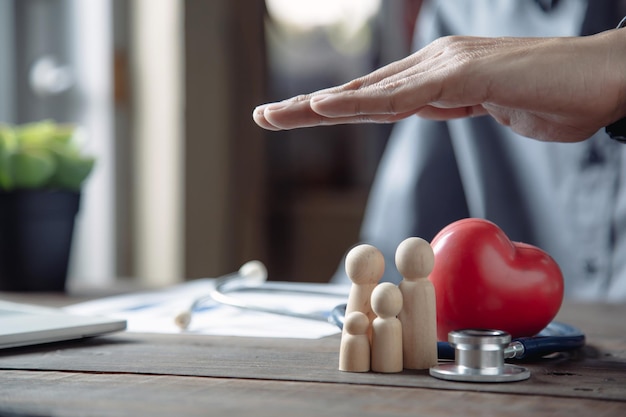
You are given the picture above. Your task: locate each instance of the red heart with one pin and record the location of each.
(483, 280)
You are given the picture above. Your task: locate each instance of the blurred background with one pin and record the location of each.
(186, 185)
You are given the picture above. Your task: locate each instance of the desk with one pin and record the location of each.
(130, 374)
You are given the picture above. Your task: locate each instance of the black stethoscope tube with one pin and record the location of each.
(556, 337)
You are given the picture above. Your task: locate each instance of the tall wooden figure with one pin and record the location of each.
(365, 266)
(354, 353)
(415, 260)
(386, 329)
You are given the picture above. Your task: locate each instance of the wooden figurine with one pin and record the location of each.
(365, 266)
(354, 353)
(386, 329)
(415, 260)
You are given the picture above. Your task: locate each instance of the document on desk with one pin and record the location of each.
(155, 311)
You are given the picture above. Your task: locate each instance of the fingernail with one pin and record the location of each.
(259, 118)
(274, 107)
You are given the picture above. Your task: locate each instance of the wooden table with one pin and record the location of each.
(131, 374)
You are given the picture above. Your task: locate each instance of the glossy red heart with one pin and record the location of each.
(483, 280)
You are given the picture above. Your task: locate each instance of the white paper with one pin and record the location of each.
(155, 311)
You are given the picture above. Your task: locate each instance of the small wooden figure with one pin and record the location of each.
(415, 260)
(365, 266)
(386, 329)
(354, 353)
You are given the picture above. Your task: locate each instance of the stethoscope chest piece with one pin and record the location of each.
(479, 357)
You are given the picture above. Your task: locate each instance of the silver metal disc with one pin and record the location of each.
(454, 372)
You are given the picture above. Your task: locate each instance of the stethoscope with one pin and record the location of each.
(252, 276)
(478, 354)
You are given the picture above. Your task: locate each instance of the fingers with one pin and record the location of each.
(300, 112)
(258, 115)
(414, 85)
(383, 98)
(394, 92)
(291, 113)
(282, 117)
(401, 87)
(380, 102)
(372, 104)
(286, 115)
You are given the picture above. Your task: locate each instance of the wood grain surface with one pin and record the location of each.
(86, 394)
(149, 374)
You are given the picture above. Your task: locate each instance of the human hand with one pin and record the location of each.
(552, 89)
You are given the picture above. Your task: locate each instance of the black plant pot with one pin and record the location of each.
(36, 229)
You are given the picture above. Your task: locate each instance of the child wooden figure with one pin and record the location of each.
(386, 329)
(354, 353)
(415, 260)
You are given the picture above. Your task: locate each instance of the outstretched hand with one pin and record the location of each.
(553, 89)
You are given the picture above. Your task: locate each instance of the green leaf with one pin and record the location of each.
(42, 155)
(32, 168)
(63, 135)
(71, 171)
(37, 134)
(8, 144)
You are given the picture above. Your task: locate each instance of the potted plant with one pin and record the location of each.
(42, 170)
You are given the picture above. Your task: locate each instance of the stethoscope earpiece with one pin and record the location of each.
(253, 272)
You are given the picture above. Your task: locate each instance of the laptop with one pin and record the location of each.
(25, 324)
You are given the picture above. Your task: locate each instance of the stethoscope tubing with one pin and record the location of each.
(556, 337)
